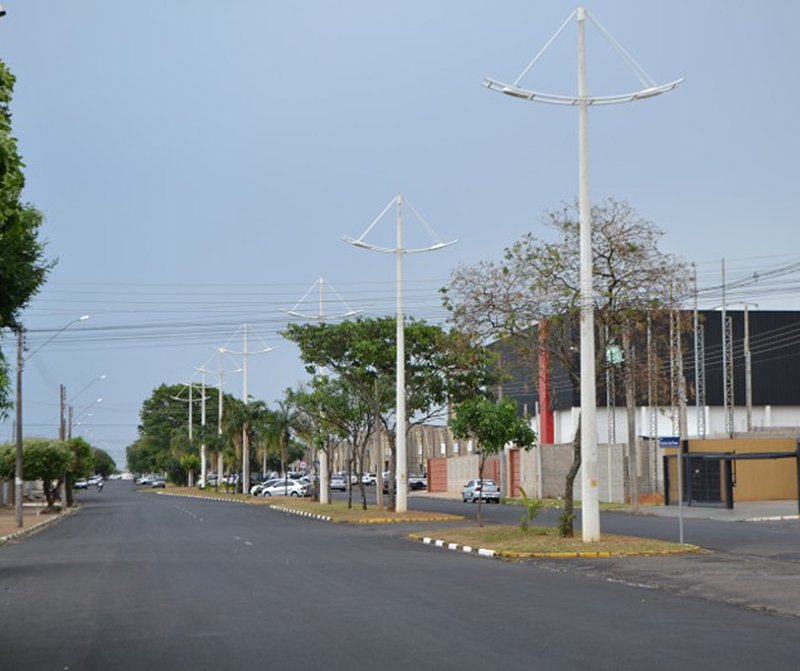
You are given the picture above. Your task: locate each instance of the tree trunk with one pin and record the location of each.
(481, 462)
(567, 523)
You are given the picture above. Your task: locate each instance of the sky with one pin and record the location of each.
(199, 162)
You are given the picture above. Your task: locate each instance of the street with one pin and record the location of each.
(140, 581)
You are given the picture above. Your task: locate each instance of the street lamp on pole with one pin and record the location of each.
(590, 506)
(322, 455)
(21, 359)
(399, 251)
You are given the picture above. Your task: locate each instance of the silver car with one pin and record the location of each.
(487, 490)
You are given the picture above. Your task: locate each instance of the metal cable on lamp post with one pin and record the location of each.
(590, 506)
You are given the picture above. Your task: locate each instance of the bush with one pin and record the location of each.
(532, 509)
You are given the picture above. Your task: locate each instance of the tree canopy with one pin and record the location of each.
(23, 268)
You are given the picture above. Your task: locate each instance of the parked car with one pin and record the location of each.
(481, 489)
(158, 483)
(417, 482)
(81, 484)
(285, 487)
(369, 478)
(338, 483)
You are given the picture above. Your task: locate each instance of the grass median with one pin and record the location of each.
(337, 511)
(512, 541)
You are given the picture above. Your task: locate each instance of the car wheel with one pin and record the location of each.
(294, 494)
(267, 494)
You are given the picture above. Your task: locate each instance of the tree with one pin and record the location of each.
(23, 269)
(103, 463)
(441, 367)
(45, 460)
(334, 408)
(493, 425)
(536, 290)
(164, 430)
(81, 465)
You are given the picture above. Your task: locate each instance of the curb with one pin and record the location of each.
(508, 554)
(202, 498)
(37, 527)
(480, 552)
(775, 518)
(292, 511)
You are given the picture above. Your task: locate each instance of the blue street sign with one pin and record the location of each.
(669, 441)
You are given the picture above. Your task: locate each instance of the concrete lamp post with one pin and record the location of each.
(21, 359)
(590, 507)
(399, 251)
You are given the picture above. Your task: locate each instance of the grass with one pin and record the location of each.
(545, 541)
(558, 504)
(337, 511)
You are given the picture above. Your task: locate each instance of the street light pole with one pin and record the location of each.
(590, 512)
(18, 480)
(590, 504)
(399, 251)
(322, 454)
(18, 475)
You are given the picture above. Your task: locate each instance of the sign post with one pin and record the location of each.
(675, 441)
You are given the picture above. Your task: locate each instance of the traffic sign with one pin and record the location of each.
(669, 441)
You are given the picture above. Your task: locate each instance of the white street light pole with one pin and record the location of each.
(590, 509)
(399, 251)
(322, 455)
(245, 438)
(590, 500)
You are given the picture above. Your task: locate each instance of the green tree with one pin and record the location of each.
(103, 462)
(537, 285)
(81, 464)
(45, 460)
(332, 406)
(23, 268)
(492, 425)
(441, 367)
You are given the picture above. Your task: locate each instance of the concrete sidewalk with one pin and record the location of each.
(749, 511)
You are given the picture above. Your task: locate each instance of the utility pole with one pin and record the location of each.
(245, 436)
(748, 370)
(18, 481)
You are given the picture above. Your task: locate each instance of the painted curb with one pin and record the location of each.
(436, 542)
(775, 518)
(202, 498)
(301, 513)
(506, 554)
(37, 527)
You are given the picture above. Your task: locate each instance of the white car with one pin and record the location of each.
(369, 478)
(284, 487)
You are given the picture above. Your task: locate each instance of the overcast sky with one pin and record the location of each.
(198, 163)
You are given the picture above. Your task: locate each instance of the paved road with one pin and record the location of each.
(140, 581)
(753, 565)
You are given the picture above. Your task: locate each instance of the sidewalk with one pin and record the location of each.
(32, 515)
(747, 511)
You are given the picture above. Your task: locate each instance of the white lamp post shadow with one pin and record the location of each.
(399, 251)
(590, 505)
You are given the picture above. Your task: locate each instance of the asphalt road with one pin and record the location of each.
(141, 581)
